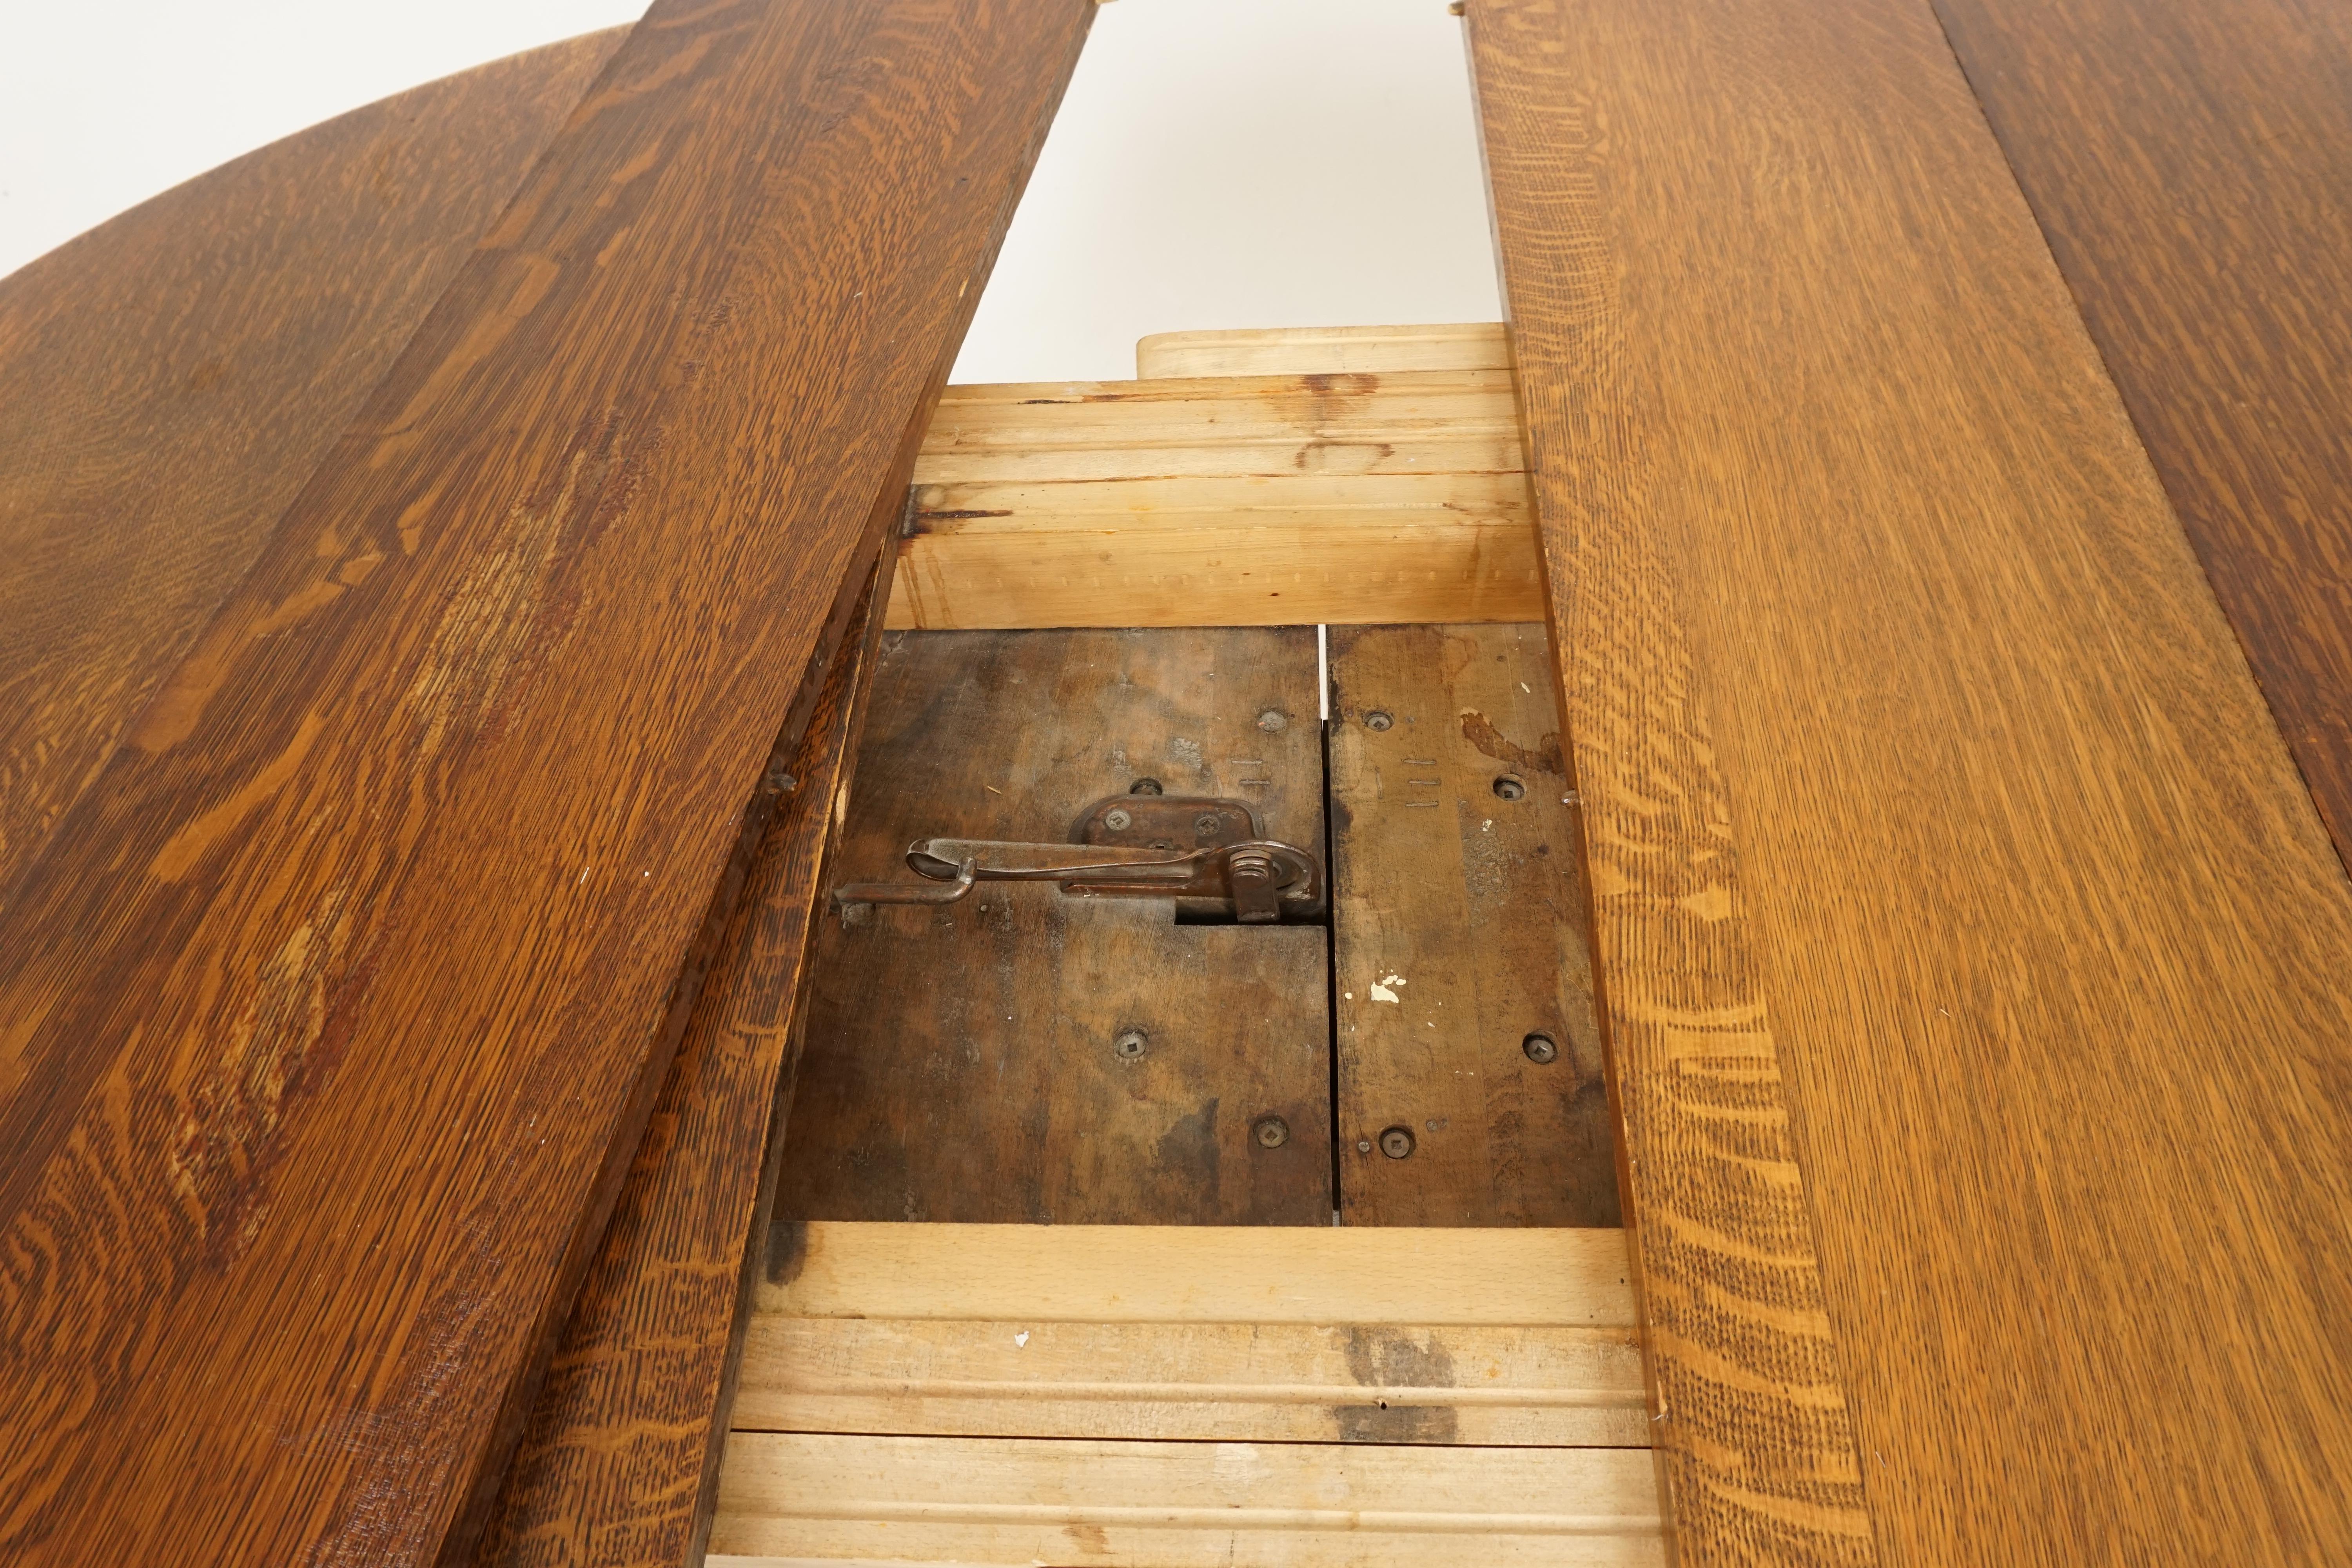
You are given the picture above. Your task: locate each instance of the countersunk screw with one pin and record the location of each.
(1116, 819)
(1510, 788)
(1541, 1049)
(1271, 1132)
(1396, 1143)
(1130, 1045)
(1379, 718)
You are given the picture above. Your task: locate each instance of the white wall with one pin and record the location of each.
(1217, 162)
(1243, 163)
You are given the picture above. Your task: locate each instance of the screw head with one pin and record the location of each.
(1396, 1143)
(1363, 1145)
(1207, 822)
(1144, 786)
(1379, 718)
(1541, 1049)
(1130, 1045)
(1271, 1132)
(1117, 819)
(1510, 788)
(1273, 720)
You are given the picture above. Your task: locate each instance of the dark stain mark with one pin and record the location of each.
(1343, 383)
(1384, 1358)
(787, 1250)
(1480, 733)
(1091, 1538)
(1187, 1152)
(920, 518)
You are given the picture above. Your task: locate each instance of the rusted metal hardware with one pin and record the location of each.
(1200, 851)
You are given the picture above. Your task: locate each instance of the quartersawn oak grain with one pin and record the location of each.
(619, 1460)
(169, 380)
(1928, 793)
(329, 1014)
(2188, 165)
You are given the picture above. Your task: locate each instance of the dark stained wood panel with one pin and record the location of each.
(170, 379)
(2193, 172)
(2191, 167)
(331, 1012)
(962, 1063)
(620, 1460)
(1460, 930)
(1973, 961)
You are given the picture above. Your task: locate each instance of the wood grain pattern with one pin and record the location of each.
(959, 1062)
(1973, 960)
(866, 1336)
(1459, 925)
(329, 1014)
(168, 381)
(1235, 500)
(1310, 351)
(1256, 1383)
(2188, 165)
(967, 1500)
(620, 1461)
(1198, 1274)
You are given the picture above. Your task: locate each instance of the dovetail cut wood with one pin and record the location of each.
(2190, 166)
(1956, 901)
(329, 1014)
(1242, 501)
(170, 379)
(619, 1463)
(1182, 1505)
(1308, 351)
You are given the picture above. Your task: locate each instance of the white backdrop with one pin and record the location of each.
(1217, 162)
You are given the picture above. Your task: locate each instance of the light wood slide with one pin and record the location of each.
(1165, 1396)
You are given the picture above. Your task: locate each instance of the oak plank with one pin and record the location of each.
(1303, 351)
(1460, 930)
(1957, 902)
(1176, 1505)
(2188, 167)
(1235, 500)
(170, 379)
(329, 1014)
(960, 1062)
(1199, 1274)
(619, 1461)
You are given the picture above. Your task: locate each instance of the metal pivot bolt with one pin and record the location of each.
(1130, 1045)
(1541, 1049)
(1271, 1132)
(1396, 1143)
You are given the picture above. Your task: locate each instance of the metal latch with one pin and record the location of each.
(1126, 847)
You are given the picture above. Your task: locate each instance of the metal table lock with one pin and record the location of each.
(1208, 853)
